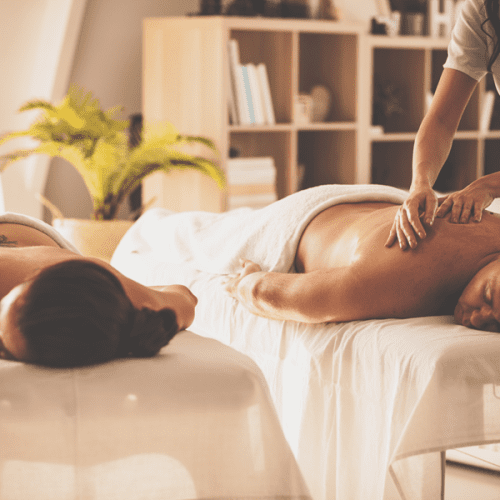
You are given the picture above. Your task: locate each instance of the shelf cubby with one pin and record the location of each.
(327, 60)
(186, 81)
(398, 68)
(491, 156)
(329, 157)
(459, 169)
(276, 144)
(274, 49)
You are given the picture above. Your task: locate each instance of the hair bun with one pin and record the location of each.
(149, 332)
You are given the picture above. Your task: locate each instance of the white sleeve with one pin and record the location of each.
(470, 47)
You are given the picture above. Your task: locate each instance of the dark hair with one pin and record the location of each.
(491, 7)
(76, 313)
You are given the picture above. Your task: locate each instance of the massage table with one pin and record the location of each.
(368, 407)
(194, 422)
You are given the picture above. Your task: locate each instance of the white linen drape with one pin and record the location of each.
(194, 422)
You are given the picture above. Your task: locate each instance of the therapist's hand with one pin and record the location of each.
(407, 228)
(468, 204)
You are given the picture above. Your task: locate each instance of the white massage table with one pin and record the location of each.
(368, 407)
(194, 422)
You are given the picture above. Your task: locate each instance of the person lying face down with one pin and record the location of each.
(61, 309)
(346, 272)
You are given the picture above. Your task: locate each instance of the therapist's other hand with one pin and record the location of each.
(421, 205)
(468, 204)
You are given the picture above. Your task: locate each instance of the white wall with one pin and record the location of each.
(37, 42)
(107, 61)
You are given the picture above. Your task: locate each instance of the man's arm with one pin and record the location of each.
(391, 284)
(332, 295)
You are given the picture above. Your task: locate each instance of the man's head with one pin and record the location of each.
(479, 304)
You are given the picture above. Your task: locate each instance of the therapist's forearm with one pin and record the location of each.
(435, 135)
(432, 147)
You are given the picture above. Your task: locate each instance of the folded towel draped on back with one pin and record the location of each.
(214, 243)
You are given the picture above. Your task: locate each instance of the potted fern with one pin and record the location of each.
(97, 145)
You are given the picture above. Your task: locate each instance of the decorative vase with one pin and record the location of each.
(93, 238)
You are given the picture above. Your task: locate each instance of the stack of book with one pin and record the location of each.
(250, 99)
(251, 182)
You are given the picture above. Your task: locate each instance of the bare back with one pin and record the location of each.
(397, 283)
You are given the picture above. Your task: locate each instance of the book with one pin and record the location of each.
(248, 93)
(258, 176)
(265, 89)
(251, 182)
(233, 111)
(252, 200)
(258, 105)
(249, 163)
(258, 170)
(487, 111)
(242, 111)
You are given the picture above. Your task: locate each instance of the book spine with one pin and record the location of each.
(240, 98)
(266, 94)
(248, 92)
(258, 106)
(233, 108)
(250, 163)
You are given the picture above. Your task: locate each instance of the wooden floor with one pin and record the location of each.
(470, 483)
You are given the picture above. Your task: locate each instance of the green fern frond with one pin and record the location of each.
(12, 135)
(37, 104)
(189, 139)
(95, 143)
(19, 154)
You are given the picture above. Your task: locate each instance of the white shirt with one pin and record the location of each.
(470, 47)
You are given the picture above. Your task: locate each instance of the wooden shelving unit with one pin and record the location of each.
(186, 81)
(415, 64)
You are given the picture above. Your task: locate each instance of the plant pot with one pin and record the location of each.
(93, 238)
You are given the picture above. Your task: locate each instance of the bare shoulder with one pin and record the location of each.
(18, 235)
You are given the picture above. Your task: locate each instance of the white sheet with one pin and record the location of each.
(194, 422)
(364, 405)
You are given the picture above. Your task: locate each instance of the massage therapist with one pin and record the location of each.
(473, 51)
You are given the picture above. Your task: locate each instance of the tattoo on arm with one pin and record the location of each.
(5, 242)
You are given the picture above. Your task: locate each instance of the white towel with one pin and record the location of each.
(214, 243)
(39, 225)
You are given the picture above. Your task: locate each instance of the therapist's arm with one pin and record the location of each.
(432, 147)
